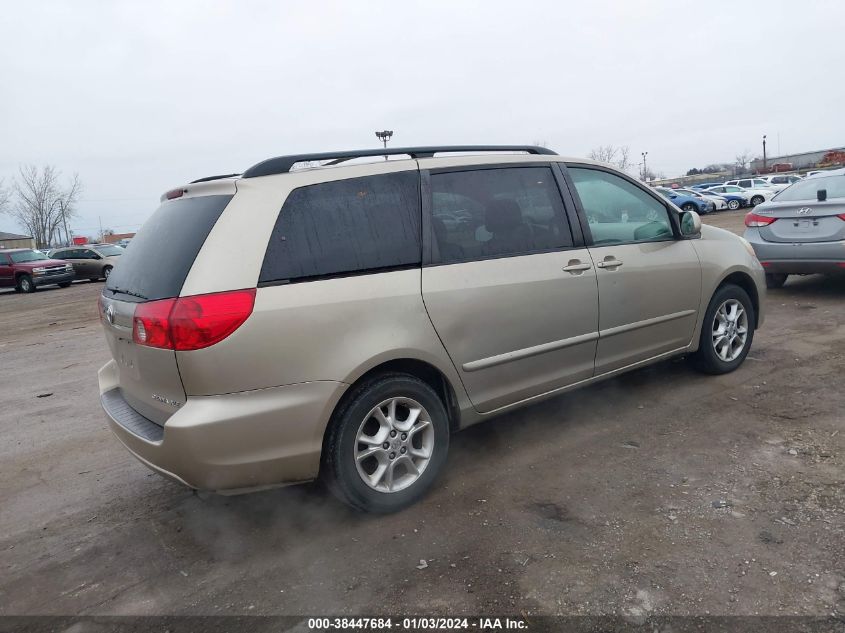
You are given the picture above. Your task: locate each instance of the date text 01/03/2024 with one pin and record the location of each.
(416, 623)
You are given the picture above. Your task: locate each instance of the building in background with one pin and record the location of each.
(11, 240)
(821, 159)
(114, 238)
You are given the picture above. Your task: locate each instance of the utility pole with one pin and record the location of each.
(765, 168)
(384, 136)
(100, 218)
(645, 168)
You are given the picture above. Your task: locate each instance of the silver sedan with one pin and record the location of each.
(802, 230)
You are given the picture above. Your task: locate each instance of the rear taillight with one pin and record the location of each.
(151, 324)
(841, 216)
(753, 219)
(190, 323)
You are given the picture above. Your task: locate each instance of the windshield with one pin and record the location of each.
(109, 250)
(20, 257)
(808, 189)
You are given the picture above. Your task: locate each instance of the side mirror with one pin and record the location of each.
(821, 195)
(690, 223)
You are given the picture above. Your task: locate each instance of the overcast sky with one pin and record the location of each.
(138, 97)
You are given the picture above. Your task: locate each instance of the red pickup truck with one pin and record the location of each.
(26, 269)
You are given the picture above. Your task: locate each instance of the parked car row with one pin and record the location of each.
(25, 269)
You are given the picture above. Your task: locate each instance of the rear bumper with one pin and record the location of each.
(797, 257)
(46, 280)
(229, 443)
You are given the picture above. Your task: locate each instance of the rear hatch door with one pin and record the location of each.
(154, 269)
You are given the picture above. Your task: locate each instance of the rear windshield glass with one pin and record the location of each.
(808, 189)
(110, 251)
(164, 250)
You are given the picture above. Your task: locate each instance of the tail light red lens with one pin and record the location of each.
(151, 326)
(841, 216)
(203, 320)
(752, 219)
(191, 323)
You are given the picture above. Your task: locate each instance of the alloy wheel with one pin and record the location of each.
(730, 330)
(394, 444)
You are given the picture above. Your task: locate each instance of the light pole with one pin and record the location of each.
(384, 136)
(765, 169)
(645, 168)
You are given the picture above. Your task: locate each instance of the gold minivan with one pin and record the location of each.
(318, 315)
(91, 261)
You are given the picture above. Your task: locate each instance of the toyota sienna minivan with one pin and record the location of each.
(319, 316)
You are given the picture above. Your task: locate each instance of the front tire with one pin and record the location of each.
(26, 284)
(106, 272)
(757, 200)
(727, 331)
(386, 443)
(733, 205)
(775, 280)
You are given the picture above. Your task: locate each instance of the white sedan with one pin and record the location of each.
(720, 202)
(758, 189)
(754, 195)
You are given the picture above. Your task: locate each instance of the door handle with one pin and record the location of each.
(610, 263)
(576, 267)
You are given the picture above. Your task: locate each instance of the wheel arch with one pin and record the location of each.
(424, 370)
(744, 281)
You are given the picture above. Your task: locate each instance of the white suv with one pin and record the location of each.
(779, 182)
(757, 188)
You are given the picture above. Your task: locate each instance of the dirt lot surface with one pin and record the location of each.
(661, 492)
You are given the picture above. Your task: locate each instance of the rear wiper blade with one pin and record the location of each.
(127, 292)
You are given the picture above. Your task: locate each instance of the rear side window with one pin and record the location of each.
(359, 225)
(485, 213)
(165, 248)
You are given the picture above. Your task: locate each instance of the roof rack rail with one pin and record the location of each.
(209, 178)
(283, 164)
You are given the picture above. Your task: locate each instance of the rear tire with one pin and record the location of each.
(718, 348)
(775, 280)
(344, 464)
(26, 284)
(733, 205)
(689, 206)
(106, 272)
(757, 200)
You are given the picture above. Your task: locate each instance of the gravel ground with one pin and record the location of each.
(660, 492)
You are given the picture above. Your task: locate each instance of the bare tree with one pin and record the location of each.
(742, 159)
(5, 196)
(39, 200)
(617, 156)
